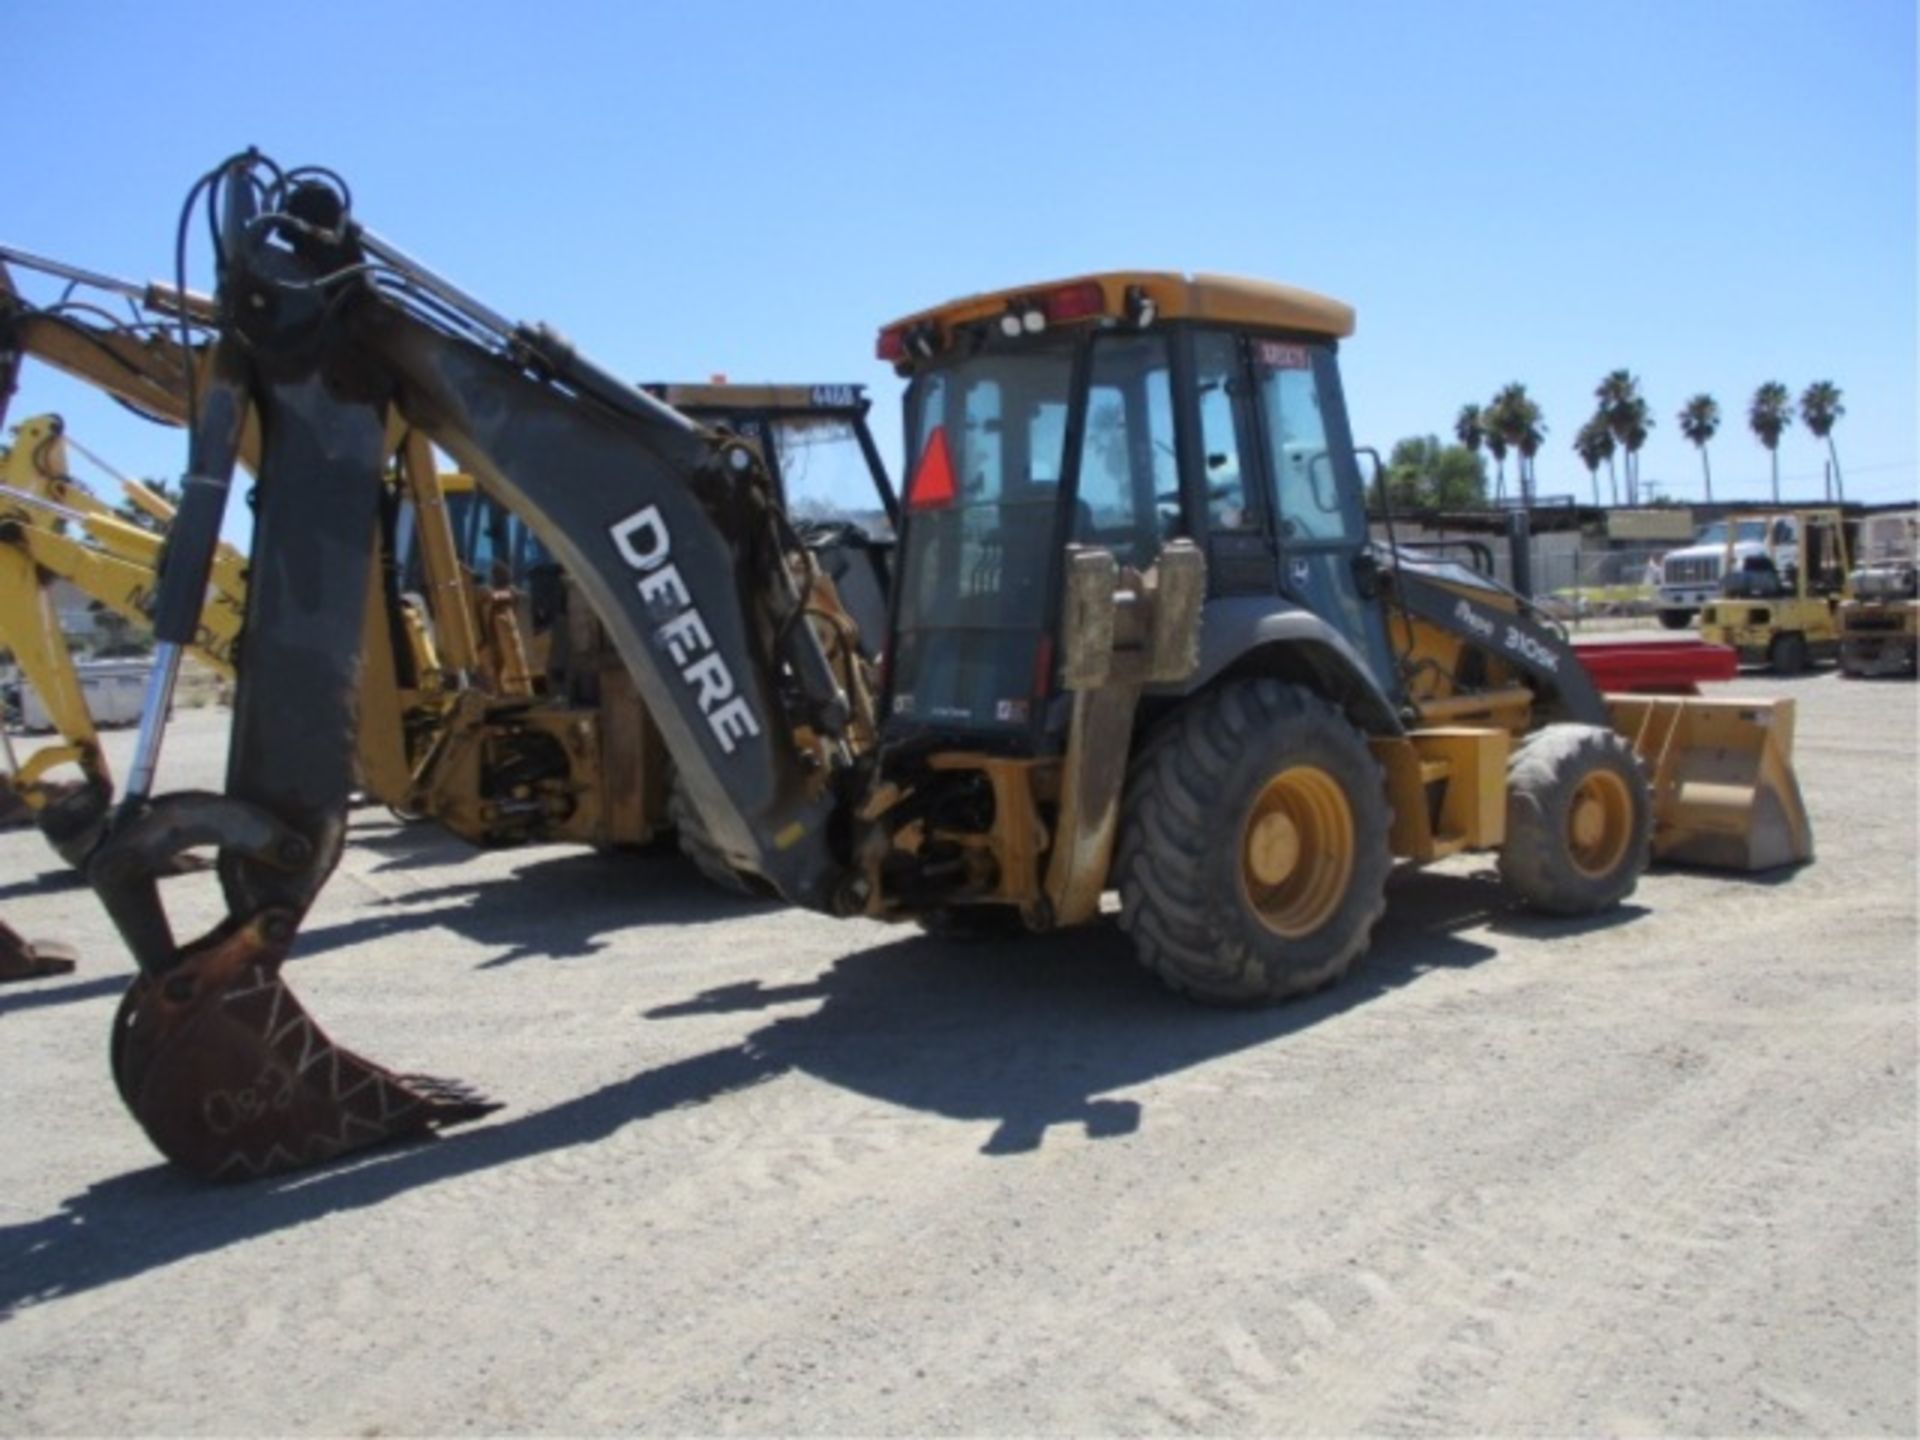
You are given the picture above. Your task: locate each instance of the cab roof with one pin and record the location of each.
(1225, 299)
(723, 395)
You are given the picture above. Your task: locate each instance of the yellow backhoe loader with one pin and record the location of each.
(1138, 641)
(559, 747)
(51, 529)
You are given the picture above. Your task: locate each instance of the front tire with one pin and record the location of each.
(1253, 857)
(1579, 820)
(1788, 653)
(1676, 619)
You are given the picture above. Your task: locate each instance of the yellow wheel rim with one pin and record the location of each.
(1297, 851)
(1599, 823)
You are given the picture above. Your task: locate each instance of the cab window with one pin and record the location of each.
(1308, 494)
(1216, 359)
(1129, 492)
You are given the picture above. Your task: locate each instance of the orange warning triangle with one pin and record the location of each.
(932, 483)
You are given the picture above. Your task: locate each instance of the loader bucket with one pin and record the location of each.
(232, 1079)
(1724, 792)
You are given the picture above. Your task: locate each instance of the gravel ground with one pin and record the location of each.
(762, 1172)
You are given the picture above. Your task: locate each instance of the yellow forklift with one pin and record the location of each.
(1880, 624)
(1781, 608)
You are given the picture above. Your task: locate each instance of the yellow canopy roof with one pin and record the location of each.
(1227, 299)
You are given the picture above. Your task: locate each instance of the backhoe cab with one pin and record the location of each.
(1337, 706)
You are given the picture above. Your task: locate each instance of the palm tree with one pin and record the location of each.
(1626, 415)
(1496, 444)
(1593, 443)
(1469, 429)
(1512, 421)
(1699, 418)
(1529, 435)
(1820, 407)
(1634, 428)
(1770, 414)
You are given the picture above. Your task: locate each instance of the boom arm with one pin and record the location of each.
(673, 532)
(679, 546)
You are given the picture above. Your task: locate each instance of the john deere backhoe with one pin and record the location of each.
(1138, 641)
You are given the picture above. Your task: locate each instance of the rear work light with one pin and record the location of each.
(1075, 302)
(907, 342)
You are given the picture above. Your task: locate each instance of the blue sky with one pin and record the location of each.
(1711, 194)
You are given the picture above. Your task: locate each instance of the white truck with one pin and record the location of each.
(114, 690)
(1689, 577)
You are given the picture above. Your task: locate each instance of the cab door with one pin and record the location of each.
(1311, 486)
(1226, 501)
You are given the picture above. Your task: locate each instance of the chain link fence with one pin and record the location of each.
(1580, 580)
(1578, 577)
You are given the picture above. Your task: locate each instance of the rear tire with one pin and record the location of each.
(1579, 820)
(1253, 857)
(1788, 653)
(1676, 619)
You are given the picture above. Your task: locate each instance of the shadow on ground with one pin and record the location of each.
(38, 994)
(554, 909)
(47, 882)
(1025, 1035)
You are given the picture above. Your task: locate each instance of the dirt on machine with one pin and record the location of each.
(1137, 640)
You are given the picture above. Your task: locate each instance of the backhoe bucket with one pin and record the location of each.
(24, 959)
(232, 1079)
(1724, 792)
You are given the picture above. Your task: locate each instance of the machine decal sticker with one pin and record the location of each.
(1277, 355)
(1473, 619)
(1512, 638)
(643, 542)
(1518, 642)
